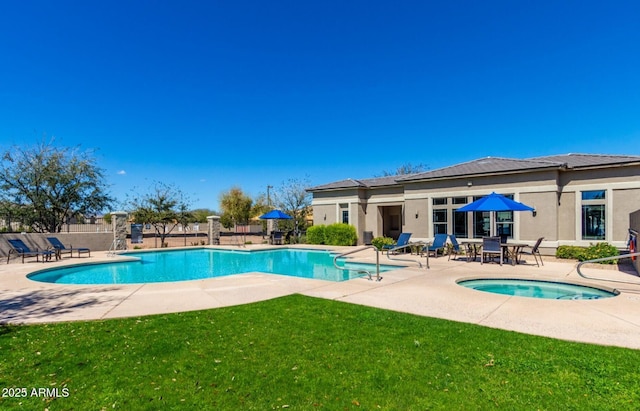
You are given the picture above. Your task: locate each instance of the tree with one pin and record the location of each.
(260, 206)
(236, 207)
(404, 169)
(164, 207)
(292, 197)
(200, 215)
(42, 186)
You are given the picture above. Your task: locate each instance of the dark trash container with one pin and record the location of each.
(367, 237)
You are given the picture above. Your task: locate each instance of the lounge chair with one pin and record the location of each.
(403, 241)
(491, 247)
(439, 243)
(454, 248)
(21, 249)
(61, 249)
(535, 251)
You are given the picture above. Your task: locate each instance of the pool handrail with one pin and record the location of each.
(360, 270)
(418, 243)
(597, 260)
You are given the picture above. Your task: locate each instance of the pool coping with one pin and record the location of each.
(432, 292)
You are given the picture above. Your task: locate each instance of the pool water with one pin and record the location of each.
(197, 264)
(538, 289)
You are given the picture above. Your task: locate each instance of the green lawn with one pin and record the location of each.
(299, 352)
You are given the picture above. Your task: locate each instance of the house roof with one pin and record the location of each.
(488, 165)
(353, 183)
(589, 160)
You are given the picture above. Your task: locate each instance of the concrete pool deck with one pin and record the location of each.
(429, 292)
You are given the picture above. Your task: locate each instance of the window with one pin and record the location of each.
(481, 224)
(460, 224)
(344, 213)
(440, 221)
(504, 223)
(440, 201)
(593, 215)
(459, 200)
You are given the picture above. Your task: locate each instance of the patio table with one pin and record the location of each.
(512, 250)
(472, 248)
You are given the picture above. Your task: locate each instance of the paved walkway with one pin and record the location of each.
(428, 292)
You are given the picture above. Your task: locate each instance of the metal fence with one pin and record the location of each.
(93, 225)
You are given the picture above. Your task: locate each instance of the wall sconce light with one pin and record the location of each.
(534, 212)
(469, 183)
(325, 217)
(416, 214)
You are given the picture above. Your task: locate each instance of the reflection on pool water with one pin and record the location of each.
(195, 264)
(538, 289)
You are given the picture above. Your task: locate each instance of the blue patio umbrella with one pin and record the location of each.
(275, 215)
(495, 202)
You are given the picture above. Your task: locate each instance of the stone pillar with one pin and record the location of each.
(119, 222)
(214, 229)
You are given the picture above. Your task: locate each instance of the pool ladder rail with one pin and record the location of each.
(633, 254)
(367, 272)
(403, 247)
(597, 260)
(116, 245)
(360, 270)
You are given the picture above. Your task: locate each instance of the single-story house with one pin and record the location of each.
(578, 199)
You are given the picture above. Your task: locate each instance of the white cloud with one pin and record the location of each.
(122, 172)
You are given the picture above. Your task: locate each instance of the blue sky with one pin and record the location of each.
(208, 95)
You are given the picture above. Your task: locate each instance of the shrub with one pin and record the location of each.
(378, 242)
(340, 234)
(594, 251)
(316, 234)
(570, 252)
(600, 250)
(302, 239)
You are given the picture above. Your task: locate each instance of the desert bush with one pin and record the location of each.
(594, 251)
(316, 234)
(570, 252)
(379, 242)
(600, 250)
(340, 234)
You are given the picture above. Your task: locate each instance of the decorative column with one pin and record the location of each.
(214, 229)
(119, 222)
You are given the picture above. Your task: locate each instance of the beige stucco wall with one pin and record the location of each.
(556, 196)
(567, 217)
(93, 241)
(625, 202)
(544, 223)
(622, 185)
(634, 223)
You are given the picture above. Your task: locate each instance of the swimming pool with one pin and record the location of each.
(197, 264)
(538, 289)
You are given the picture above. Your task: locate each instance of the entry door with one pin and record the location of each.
(392, 221)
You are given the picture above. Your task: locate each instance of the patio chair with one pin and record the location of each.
(276, 237)
(61, 249)
(439, 243)
(454, 247)
(403, 241)
(19, 248)
(491, 247)
(535, 251)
